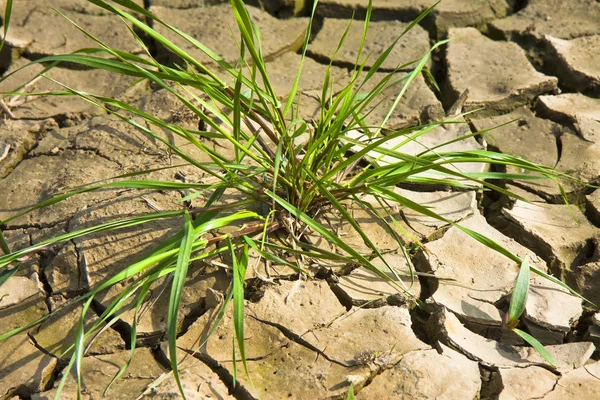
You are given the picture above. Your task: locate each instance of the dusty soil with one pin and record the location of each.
(533, 61)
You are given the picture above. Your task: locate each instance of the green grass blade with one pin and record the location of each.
(112, 225)
(4, 245)
(61, 385)
(239, 267)
(536, 345)
(133, 335)
(7, 15)
(294, 90)
(412, 76)
(518, 300)
(179, 277)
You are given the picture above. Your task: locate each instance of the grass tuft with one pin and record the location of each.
(341, 159)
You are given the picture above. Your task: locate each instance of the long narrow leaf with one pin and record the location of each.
(518, 300)
(536, 345)
(179, 276)
(239, 267)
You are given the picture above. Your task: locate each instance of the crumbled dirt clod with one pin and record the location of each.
(579, 111)
(451, 332)
(550, 17)
(511, 81)
(577, 62)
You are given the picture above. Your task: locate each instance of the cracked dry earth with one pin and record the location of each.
(532, 61)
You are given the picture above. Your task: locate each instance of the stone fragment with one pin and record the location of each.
(462, 13)
(65, 273)
(13, 49)
(4, 149)
(20, 239)
(560, 234)
(526, 383)
(575, 109)
(582, 383)
(197, 379)
(24, 369)
(580, 158)
(345, 338)
(510, 82)
(426, 374)
(525, 194)
(98, 371)
(381, 35)
(593, 332)
(495, 354)
(49, 33)
(216, 28)
(365, 288)
(261, 339)
(481, 275)
(576, 61)
(586, 280)
(550, 17)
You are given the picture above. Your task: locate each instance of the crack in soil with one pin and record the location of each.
(294, 337)
(121, 327)
(237, 390)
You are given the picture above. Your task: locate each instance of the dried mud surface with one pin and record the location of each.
(532, 62)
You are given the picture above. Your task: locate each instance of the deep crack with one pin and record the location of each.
(238, 391)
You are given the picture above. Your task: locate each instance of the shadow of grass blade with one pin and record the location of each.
(133, 335)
